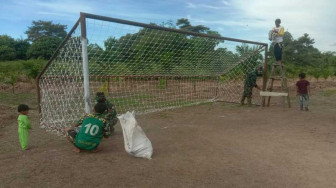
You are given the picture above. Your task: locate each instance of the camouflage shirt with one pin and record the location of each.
(110, 111)
(251, 79)
(96, 115)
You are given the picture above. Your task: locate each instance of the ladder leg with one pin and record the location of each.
(282, 84)
(288, 98)
(268, 86)
(270, 89)
(285, 86)
(269, 79)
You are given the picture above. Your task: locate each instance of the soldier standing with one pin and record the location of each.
(250, 83)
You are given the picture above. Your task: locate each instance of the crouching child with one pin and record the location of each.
(90, 134)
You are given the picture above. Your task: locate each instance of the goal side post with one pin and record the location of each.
(85, 60)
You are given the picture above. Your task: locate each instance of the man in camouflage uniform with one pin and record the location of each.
(250, 82)
(110, 115)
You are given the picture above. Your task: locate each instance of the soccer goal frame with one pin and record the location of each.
(64, 95)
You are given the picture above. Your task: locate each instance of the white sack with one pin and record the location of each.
(136, 142)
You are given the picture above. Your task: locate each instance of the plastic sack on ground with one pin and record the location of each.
(136, 142)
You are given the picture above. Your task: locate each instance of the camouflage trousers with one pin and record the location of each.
(247, 94)
(111, 121)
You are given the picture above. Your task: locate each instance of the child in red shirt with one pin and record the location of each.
(303, 91)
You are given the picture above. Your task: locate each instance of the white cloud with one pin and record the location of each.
(51, 13)
(63, 6)
(298, 17)
(190, 5)
(225, 2)
(206, 6)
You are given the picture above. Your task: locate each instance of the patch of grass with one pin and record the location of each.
(207, 103)
(31, 68)
(125, 102)
(163, 115)
(329, 92)
(130, 101)
(147, 102)
(232, 105)
(11, 99)
(162, 83)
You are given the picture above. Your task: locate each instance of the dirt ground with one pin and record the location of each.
(210, 145)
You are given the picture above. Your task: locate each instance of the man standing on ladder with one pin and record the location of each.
(278, 32)
(276, 35)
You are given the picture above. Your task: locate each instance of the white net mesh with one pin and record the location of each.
(145, 70)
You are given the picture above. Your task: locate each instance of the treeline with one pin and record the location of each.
(151, 51)
(300, 55)
(43, 37)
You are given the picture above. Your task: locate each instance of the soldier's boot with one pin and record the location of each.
(112, 123)
(242, 100)
(111, 130)
(107, 131)
(249, 101)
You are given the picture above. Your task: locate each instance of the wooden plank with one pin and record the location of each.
(273, 94)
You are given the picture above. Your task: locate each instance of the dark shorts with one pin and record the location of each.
(278, 51)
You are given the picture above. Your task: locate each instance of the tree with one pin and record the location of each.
(184, 24)
(254, 59)
(7, 48)
(6, 53)
(21, 47)
(317, 73)
(11, 49)
(45, 37)
(6, 40)
(325, 73)
(12, 79)
(41, 29)
(148, 51)
(44, 47)
(300, 52)
(306, 41)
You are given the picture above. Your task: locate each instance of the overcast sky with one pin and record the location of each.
(243, 19)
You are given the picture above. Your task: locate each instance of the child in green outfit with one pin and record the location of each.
(90, 135)
(24, 125)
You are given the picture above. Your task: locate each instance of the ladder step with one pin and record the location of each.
(275, 78)
(273, 94)
(277, 64)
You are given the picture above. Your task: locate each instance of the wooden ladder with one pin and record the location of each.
(284, 93)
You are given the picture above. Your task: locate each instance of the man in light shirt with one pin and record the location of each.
(277, 40)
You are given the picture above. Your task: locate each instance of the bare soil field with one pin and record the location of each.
(209, 145)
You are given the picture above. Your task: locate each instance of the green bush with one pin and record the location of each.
(30, 68)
